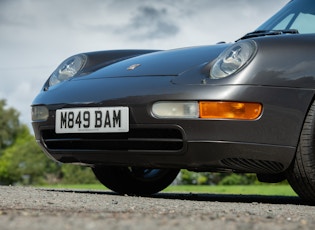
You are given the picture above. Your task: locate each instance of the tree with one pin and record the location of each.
(210, 178)
(239, 179)
(24, 162)
(75, 174)
(21, 159)
(9, 125)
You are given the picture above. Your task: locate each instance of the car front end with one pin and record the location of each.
(139, 116)
(176, 119)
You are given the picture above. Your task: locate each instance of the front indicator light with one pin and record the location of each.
(229, 110)
(40, 113)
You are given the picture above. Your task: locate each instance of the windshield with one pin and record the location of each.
(296, 15)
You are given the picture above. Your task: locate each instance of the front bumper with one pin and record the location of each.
(195, 145)
(164, 146)
(266, 145)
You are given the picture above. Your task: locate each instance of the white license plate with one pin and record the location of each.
(92, 120)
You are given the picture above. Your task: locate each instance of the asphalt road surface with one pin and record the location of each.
(52, 209)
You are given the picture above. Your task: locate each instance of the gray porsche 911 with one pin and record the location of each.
(137, 117)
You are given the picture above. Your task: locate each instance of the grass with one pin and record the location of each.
(279, 190)
(276, 190)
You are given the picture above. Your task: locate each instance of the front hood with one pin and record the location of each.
(161, 63)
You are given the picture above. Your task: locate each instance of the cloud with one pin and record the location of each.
(134, 22)
(150, 22)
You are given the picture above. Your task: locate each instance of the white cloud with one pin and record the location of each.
(36, 35)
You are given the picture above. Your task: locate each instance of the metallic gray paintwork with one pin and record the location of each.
(281, 77)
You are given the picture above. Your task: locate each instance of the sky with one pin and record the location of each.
(37, 35)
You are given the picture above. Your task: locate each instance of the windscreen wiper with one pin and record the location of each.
(261, 33)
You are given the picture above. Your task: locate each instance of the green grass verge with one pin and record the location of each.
(276, 190)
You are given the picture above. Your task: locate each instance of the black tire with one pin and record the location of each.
(301, 174)
(135, 180)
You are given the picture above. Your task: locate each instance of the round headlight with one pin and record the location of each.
(67, 69)
(232, 59)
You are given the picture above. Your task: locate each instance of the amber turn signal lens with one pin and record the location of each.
(229, 110)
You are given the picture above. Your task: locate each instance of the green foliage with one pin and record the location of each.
(187, 177)
(24, 162)
(75, 174)
(202, 178)
(206, 178)
(9, 125)
(238, 179)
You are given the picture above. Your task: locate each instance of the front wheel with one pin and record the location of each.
(135, 180)
(301, 174)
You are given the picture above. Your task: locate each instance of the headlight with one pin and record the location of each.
(233, 59)
(69, 68)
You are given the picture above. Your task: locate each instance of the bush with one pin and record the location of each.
(238, 179)
(24, 162)
(75, 174)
